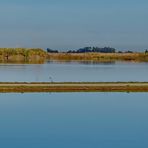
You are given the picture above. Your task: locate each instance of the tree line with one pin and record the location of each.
(87, 49)
(94, 49)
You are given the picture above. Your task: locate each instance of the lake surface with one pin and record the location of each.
(74, 120)
(74, 71)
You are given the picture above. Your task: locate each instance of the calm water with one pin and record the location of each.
(74, 120)
(73, 71)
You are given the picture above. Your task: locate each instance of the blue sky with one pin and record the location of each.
(70, 24)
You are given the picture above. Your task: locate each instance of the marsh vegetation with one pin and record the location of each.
(21, 55)
(38, 55)
(99, 57)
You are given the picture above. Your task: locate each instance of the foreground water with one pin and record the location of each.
(74, 71)
(74, 120)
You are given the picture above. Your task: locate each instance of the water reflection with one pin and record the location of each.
(83, 62)
(74, 71)
(74, 120)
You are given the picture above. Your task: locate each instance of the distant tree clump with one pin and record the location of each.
(129, 51)
(94, 49)
(146, 51)
(104, 50)
(51, 50)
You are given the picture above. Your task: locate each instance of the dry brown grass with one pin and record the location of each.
(99, 56)
(137, 87)
(74, 89)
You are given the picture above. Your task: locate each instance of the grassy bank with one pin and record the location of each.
(37, 55)
(99, 57)
(75, 87)
(22, 55)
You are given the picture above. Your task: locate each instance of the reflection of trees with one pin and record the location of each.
(97, 62)
(83, 62)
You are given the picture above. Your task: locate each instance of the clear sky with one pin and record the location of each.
(70, 24)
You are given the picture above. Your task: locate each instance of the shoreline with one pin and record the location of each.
(22, 87)
(39, 55)
(99, 57)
